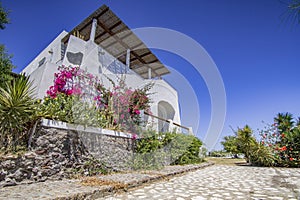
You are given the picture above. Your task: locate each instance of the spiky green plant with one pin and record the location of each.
(262, 156)
(17, 108)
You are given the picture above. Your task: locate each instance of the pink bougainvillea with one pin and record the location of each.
(64, 82)
(125, 103)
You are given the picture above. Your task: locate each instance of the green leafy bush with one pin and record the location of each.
(149, 153)
(242, 142)
(155, 150)
(262, 155)
(219, 153)
(72, 109)
(184, 149)
(283, 137)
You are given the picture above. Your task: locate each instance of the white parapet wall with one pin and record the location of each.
(75, 127)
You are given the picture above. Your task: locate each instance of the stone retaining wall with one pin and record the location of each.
(116, 152)
(52, 153)
(58, 153)
(114, 148)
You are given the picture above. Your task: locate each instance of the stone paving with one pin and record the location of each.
(105, 185)
(223, 182)
(213, 182)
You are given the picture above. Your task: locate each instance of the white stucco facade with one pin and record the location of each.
(96, 60)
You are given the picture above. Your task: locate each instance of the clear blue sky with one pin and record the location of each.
(254, 48)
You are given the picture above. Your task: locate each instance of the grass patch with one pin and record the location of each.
(226, 161)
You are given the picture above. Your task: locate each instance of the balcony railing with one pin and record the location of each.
(167, 125)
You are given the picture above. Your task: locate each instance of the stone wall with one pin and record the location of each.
(59, 153)
(116, 152)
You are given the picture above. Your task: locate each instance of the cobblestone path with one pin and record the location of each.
(222, 182)
(213, 182)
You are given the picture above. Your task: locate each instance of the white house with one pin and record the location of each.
(103, 44)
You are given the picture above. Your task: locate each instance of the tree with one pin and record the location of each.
(245, 141)
(230, 144)
(298, 122)
(284, 121)
(242, 142)
(289, 139)
(3, 17)
(6, 65)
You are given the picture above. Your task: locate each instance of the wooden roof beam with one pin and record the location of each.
(121, 42)
(89, 19)
(112, 27)
(145, 54)
(114, 41)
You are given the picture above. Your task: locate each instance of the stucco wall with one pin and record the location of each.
(54, 57)
(98, 62)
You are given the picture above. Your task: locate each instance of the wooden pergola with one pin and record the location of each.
(116, 38)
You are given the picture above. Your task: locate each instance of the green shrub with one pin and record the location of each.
(289, 153)
(279, 144)
(261, 155)
(72, 109)
(155, 150)
(219, 153)
(242, 142)
(148, 151)
(185, 149)
(283, 137)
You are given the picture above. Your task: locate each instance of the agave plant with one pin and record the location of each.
(16, 110)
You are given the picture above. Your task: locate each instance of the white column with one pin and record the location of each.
(149, 73)
(127, 59)
(93, 30)
(191, 131)
(171, 125)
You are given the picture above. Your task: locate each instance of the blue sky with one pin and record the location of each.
(255, 49)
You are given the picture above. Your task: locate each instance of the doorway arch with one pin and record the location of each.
(165, 111)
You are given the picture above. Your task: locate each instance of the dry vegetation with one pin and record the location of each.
(94, 181)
